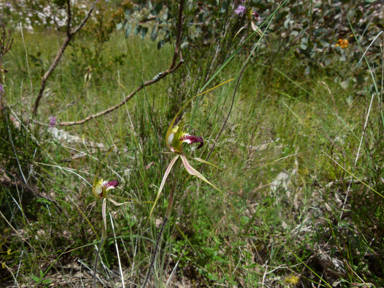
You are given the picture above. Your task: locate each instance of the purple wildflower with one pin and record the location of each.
(8, 4)
(240, 10)
(52, 122)
(1, 89)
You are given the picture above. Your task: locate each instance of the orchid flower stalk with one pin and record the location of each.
(175, 137)
(100, 189)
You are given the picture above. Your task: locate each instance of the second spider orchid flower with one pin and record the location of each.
(99, 190)
(102, 187)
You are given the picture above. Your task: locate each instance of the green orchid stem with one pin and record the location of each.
(167, 215)
(103, 236)
(97, 258)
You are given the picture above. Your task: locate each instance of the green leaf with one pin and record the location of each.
(143, 32)
(165, 16)
(160, 44)
(154, 33)
(35, 278)
(137, 29)
(119, 26)
(47, 281)
(157, 9)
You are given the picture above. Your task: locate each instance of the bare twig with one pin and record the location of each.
(158, 77)
(109, 110)
(60, 53)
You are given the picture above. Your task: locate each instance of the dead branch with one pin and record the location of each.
(173, 67)
(155, 79)
(60, 53)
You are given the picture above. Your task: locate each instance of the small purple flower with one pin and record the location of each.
(192, 139)
(8, 4)
(1, 89)
(52, 122)
(240, 10)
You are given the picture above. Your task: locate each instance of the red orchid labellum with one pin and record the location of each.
(102, 187)
(176, 137)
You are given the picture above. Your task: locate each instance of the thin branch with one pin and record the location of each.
(155, 79)
(158, 77)
(178, 35)
(60, 53)
(69, 17)
(81, 25)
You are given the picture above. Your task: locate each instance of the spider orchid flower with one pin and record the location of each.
(102, 187)
(99, 190)
(175, 138)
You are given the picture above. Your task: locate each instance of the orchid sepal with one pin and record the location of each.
(169, 168)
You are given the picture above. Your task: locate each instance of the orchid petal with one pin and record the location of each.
(196, 173)
(169, 168)
(240, 30)
(117, 203)
(209, 163)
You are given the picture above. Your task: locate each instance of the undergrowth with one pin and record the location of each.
(304, 148)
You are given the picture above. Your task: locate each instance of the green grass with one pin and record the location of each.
(282, 120)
